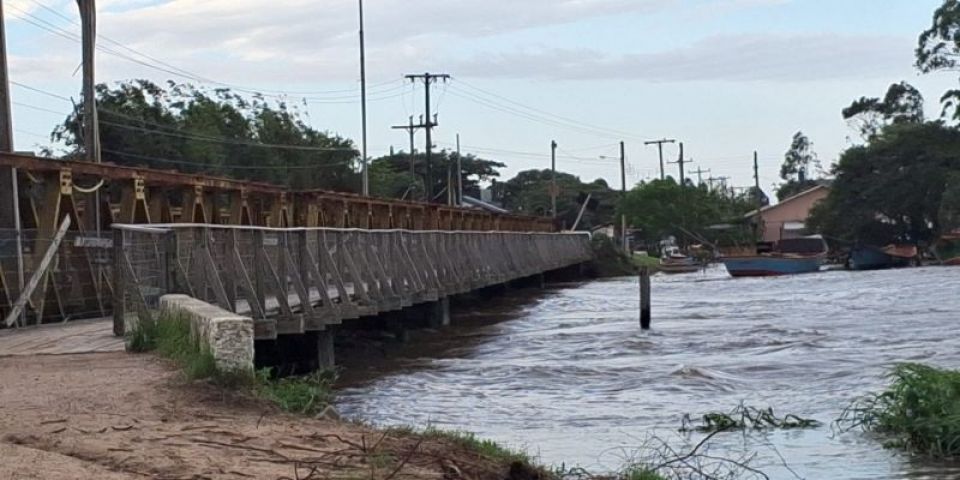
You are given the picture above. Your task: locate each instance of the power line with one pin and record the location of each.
(528, 116)
(238, 167)
(192, 75)
(571, 121)
(226, 140)
(42, 92)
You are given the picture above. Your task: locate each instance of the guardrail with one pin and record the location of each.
(297, 280)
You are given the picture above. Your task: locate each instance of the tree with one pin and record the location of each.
(390, 175)
(938, 48)
(663, 208)
(215, 132)
(529, 193)
(902, 104)
(796, 166)
(893, 188)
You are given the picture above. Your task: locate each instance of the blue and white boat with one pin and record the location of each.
(786, 257)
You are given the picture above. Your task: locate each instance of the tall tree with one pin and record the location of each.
(662, 208)
(214, 132)
(798, 162)
(938, 48)
(893, 188)
(902, 104)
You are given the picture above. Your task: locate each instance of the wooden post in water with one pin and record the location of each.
(645, 298)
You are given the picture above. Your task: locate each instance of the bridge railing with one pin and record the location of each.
(303, 279)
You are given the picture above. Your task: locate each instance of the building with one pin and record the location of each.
(788, 218)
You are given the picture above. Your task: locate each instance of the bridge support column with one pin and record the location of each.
(325, 356)
(438, 315)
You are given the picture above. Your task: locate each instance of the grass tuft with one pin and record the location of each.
(170, 336)
(640, 473)
(919, 410)
(304, 395)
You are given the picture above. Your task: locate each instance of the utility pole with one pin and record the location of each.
(6, 118)
(756, 180)
(9, 197)
(88, 22)
(682, 162)
(700, 172)
(459, 174)
(659, 144)
(428, 79)
(553, 178)
(363, 104)
(412, 130)
(623, 196)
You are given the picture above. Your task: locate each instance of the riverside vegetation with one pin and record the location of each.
(919, 411)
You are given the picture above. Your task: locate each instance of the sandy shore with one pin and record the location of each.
(119, 416)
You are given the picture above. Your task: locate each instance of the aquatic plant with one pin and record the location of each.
(745, 417)
(919, 410)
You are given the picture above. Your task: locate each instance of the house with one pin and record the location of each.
(788, 218)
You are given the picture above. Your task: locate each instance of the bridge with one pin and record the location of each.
(297, 263)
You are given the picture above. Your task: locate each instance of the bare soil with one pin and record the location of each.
(118, 416)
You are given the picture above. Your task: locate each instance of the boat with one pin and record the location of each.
(948, 249)
(672, 261)
(868, 257)
(786, 257)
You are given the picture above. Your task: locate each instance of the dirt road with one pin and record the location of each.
(118, 416)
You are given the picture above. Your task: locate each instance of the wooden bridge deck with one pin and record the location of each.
(88, 336)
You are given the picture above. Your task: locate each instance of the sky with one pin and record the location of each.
(725, 77)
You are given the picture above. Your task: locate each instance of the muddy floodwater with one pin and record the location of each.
(567, 374)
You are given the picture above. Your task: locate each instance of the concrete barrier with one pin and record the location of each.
(228, 336)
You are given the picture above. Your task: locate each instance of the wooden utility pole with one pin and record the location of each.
(428, 79)
(553, 178)
(9, 188)
(681, 161)
(623, 197)
(459, 174)
(6, 118)
(756, 180)
(88, 26)
(700, 172)
(363, 103)
(412, 131)
(659, 144)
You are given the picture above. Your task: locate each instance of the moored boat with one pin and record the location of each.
(867, 257)
(672, 261)
(948, 249)
(787, 257)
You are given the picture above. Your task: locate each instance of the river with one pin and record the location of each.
(567, 374)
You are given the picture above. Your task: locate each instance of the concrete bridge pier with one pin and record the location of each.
(325, 350)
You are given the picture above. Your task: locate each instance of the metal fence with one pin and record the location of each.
(296, 280)
(75, 285)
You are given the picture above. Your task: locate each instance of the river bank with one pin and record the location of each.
(120, 416)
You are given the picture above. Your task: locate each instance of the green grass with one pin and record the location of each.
(653, 263)
(468, 441)
(919, 410)
(170, 337)
(640, 473)
(304, 395)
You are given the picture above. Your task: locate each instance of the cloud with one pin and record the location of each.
(767, 57)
